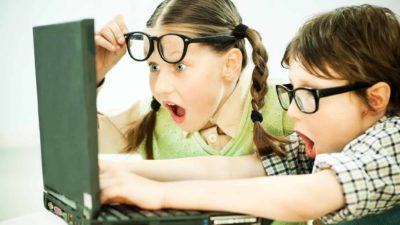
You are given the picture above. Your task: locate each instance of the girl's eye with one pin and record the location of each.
(180, 66)
(154, 67)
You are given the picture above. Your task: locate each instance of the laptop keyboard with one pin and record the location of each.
(124, 212)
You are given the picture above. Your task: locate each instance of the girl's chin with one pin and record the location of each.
(189, 128)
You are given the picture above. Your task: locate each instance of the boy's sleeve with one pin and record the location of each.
(369, 176)
(295, 162)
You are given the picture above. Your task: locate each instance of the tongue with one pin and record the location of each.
(310, 149)
(180, 111)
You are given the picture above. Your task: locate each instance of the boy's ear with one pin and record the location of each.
(378, 96)
(233, 64)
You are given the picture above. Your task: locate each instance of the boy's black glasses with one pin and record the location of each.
(172, 47)
(307, 99)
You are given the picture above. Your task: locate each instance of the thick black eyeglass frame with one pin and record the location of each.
(186, 41)
(316, 93)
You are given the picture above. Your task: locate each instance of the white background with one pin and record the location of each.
(20, 171)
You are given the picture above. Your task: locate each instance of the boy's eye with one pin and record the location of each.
(154, 67)
(180, 66)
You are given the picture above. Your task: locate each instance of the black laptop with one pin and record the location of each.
(66, 91)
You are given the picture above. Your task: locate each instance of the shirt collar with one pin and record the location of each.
(228, 116)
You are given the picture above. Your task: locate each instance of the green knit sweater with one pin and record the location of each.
(169, 141)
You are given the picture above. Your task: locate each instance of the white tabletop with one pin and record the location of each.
(22, 205)
(39, 218)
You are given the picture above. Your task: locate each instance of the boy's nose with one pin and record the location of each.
(293, 111)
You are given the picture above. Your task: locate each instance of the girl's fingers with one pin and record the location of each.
(107, 194)
(107, 179)
(121, 23)
(118, 34)
(112, 192)
(102, 42)
(111, 36)
(104, 166)
(108, 34)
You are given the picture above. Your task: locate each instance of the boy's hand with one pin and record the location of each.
(110, 46)
(117, 185)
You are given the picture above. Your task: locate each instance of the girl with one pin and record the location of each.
(344, 68)
(196, 62)
(203, 104)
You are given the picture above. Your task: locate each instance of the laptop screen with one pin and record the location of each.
(66, 91)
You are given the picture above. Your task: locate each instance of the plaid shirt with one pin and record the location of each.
(368, 169)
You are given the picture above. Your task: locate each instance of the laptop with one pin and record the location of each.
(66, 91)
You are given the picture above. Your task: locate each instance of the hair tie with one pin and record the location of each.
(256, 116)
(155, 105)
(240, 31)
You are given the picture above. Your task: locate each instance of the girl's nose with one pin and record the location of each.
(164, 83)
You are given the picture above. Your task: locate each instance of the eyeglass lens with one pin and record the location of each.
(138, 46)
(170, 46)
(304, 99)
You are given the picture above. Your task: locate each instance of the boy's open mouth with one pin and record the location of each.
(310, 148)
(177, 112)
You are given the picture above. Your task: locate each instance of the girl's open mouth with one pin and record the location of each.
(310, 148)
(177, 112)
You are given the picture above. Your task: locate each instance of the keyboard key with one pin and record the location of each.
(148, 213)
(177, 212)
(162, 213)
(132, 212)
(116, 213)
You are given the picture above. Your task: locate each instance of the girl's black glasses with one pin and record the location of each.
(172, 47)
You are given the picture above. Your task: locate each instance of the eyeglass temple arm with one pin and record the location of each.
(217, 39)
(341, 89)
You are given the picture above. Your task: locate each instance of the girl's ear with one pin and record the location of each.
(378, 96)
(232, 64)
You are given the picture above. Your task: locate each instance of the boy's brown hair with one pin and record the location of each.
(360, 43)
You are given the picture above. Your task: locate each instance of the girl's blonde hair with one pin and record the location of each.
(209, 18)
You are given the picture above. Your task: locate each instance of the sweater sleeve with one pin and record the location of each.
(113, 124)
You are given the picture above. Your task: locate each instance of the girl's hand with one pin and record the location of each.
(121, 186)
(110, 46)
(112, 165)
